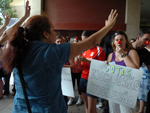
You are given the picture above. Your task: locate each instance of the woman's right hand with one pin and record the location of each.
(111, 18)
(106, 62)
(27, 10)
(119, 50)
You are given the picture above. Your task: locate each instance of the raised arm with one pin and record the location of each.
(78, 48)
(7, 20)
(4, 37)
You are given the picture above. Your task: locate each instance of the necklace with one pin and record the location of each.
(119, 57)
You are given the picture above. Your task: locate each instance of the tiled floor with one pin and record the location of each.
(6, 104)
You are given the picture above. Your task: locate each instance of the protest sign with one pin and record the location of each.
(113, 82)
(66, 82)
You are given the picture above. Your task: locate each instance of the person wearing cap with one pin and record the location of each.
(139, 45)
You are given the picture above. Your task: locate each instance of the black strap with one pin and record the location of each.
(23, 87)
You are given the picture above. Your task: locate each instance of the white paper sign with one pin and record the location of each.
(113, 82)
(66, 82)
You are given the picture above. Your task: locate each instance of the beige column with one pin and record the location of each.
(36, 7)
(19, 6)
(132, 19)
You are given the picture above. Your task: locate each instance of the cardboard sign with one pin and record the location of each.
(113, 82)
(66, 82)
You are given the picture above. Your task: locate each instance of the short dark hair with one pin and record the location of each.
(87, 33)
(143, 31)
(57, 37)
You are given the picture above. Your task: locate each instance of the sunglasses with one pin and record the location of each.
(119, 33)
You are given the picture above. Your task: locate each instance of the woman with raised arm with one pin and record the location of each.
(125, 56)
(6, 22)
(4, 36)
(3, 41)
(41, 62)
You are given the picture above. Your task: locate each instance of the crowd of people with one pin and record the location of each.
(33, 49)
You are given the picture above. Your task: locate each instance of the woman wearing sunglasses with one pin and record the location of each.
(125, 56)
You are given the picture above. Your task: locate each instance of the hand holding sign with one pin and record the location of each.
(113, 82)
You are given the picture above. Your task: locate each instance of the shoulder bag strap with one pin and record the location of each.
(23, 87)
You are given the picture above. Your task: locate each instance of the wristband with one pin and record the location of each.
(123, 55)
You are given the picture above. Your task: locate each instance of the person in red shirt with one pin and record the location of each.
(96, 53)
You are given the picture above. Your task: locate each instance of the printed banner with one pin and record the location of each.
(66, 82)
(113, 82)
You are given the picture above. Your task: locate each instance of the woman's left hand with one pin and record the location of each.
(76, 59)
(7, 19)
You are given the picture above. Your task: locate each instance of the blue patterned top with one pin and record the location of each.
(42, 74)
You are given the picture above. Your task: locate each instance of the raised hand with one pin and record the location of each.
(27, 10)
(111, 18)
(7, 19)
(4, 37)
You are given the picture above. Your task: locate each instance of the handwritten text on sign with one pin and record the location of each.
(113, 82)
(66, 82)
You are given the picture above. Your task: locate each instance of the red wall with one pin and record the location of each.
(84, 14)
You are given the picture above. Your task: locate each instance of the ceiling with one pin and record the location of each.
(145, 11)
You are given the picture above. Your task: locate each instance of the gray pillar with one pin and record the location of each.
(132, 19)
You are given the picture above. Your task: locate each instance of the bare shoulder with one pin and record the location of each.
(110, 54)
(109, 57)
(132, 52)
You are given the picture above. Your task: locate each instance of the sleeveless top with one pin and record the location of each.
(122, 63)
